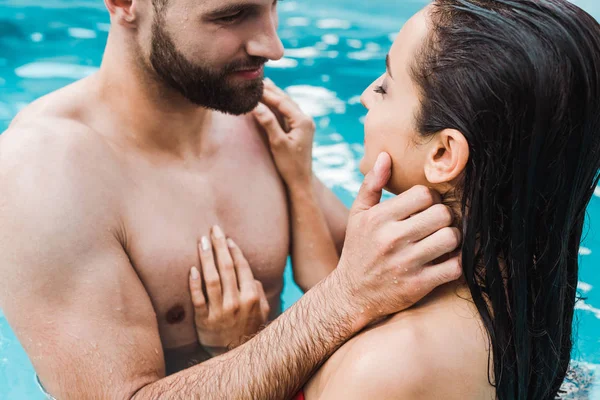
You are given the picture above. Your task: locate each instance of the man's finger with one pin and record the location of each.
(442, 242)
(267, 119)
(370, 191)
(422, 205)
(442, 273)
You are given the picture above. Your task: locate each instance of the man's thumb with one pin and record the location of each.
(369, 194)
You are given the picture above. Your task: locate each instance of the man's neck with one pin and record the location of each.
(152, 115)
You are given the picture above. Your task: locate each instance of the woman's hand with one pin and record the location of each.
(235, 305)
(291, 147)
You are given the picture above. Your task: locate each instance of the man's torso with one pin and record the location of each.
(168, 205)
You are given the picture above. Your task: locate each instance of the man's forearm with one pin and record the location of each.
(313, 251)
(278, 361)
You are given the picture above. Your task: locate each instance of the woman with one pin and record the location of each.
(496, 105)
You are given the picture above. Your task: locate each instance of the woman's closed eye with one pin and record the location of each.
(379, 89)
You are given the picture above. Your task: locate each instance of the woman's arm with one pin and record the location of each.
(313, 250)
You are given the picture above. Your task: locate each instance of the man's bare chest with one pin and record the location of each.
(167, 214)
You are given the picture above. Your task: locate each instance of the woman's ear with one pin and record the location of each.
(122, 11)
(447, 158)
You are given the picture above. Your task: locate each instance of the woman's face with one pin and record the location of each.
(393, 102)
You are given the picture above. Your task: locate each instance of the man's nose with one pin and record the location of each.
(266, 43)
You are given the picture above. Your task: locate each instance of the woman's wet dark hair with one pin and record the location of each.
(521, 81)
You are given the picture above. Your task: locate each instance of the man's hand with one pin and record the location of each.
(386, 264)
(235, 305)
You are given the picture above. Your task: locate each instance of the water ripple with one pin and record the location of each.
(46, 70)
(583, 306)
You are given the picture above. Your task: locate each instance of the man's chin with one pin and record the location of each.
(236, 109)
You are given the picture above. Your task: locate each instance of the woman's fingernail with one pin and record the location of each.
(205, 243)
(230, 243)
(195, 273)
(260, 108)
(218, 232)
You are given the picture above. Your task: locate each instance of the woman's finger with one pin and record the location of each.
(283, 104)
(225, 266)
(212, 281)
(265, 309)
(198, 299)
(267, 119)
(244, 273)
(270, 85)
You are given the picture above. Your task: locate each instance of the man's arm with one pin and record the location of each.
(87, 323)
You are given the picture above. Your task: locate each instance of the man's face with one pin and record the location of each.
(212, 52)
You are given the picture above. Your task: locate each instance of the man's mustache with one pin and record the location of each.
(249, 64)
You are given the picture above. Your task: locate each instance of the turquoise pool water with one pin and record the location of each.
(335, 49)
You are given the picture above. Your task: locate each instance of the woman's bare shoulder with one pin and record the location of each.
(435, 350)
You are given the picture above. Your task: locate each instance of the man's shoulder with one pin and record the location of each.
(53, 158)
(39, 137)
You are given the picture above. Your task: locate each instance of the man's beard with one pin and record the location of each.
(201, 85)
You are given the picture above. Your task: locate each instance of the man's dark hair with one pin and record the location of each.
(521, 81)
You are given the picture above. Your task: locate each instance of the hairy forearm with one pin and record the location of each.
(314, 254)
(275, 363)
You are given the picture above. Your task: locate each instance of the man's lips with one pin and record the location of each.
(250, 73)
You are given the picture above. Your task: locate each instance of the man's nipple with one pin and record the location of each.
(176, 314)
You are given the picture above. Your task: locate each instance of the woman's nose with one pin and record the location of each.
(365, 98)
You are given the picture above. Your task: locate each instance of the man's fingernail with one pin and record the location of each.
(269, 80)
(379, 162)
(230, 243)
(195, 274)
(205, 243)
(218, 232)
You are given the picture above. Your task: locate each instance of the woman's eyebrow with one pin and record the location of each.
(387, 64)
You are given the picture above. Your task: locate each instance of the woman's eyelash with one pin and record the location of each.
(379, 89)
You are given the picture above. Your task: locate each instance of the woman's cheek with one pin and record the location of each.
(368, 161)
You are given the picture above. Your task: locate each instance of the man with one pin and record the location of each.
(109, 183)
